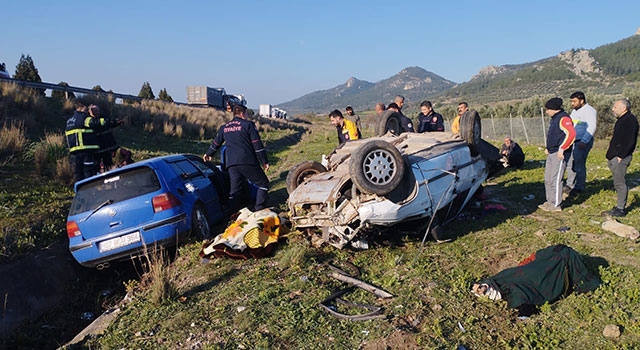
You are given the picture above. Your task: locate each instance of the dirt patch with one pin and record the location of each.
(396, 340)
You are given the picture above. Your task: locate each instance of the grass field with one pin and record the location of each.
(273, 302)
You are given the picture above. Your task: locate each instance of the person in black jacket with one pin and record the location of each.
(243, 156)
(82, 144)
(619, 154)
(107, 142)
(428, 119)
(81, 134)
(405, 122)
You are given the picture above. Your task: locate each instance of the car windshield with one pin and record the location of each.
(113, 189)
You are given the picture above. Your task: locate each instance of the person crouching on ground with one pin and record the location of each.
(512, 154)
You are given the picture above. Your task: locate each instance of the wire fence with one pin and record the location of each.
(531, 130)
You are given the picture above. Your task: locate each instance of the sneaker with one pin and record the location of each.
(543, 205)
(549, 207)
(615, 212)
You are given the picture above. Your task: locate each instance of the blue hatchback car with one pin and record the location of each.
(117, 215)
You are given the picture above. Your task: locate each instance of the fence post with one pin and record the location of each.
(493, 126)
(544, 132)
(510, 123)
(526, 135)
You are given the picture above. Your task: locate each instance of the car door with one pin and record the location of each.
(206, 189)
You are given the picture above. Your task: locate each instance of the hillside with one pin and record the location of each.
(607, 70)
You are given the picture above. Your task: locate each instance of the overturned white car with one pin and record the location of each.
(373, 184)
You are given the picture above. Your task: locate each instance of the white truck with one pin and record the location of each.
(265, 111)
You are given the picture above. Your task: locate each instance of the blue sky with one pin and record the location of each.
(275, 51)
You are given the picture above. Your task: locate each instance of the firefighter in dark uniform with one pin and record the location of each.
(82, 141)
(107, 142)
(243, 156)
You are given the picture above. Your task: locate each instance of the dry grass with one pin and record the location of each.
(159, 275)
(12, 140)
(50, 157)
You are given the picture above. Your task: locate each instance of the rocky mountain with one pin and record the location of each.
(414, 83)
(607, 69)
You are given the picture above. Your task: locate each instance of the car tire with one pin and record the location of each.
(200, 227)
(471, 130)
(377, 167)
(389, 121)
(299, 173)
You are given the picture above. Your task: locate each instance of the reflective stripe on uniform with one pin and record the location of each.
(80, 140)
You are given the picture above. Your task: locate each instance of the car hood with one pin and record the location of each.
(323, 189)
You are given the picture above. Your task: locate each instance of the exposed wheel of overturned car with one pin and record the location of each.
(389, 121)
(300, 172)
(199, 224)
(377, 167)
(471, 130)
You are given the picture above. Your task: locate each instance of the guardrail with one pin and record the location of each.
(36, 85)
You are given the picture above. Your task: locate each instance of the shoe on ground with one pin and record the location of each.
(546, 206)
(575, 192)
(615, 212)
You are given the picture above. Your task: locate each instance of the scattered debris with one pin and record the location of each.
(436, 307)
(515, 228)
(356, 282)
(620, 229)
(87, 316)
(329, 304)
(493, 209)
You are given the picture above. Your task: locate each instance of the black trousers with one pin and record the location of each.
(238, 175)
(83, 164)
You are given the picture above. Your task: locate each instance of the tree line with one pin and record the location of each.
(26, 70)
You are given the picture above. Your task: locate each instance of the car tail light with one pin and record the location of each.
(72, 229)
(164, 201)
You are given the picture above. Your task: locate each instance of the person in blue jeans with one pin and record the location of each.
(584, 119)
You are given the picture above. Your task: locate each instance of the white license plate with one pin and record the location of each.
(118, 242)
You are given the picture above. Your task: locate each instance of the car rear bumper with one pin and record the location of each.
(164, 233)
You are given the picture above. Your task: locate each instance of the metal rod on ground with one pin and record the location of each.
(526, 135)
